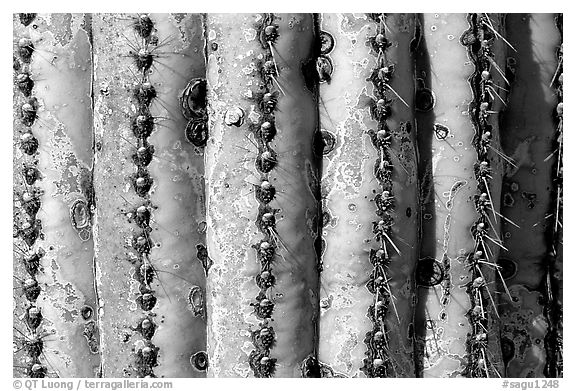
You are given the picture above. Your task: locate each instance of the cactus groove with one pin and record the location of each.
(287, 195)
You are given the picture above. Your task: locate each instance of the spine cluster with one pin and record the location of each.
(142, 124)
(378, 362)
(554, 339)
(479, 40)
(27, 227)
(264, 132)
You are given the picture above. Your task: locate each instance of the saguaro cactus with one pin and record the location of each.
(262, 183)
(288, 195)
(370, 195)
(149, 194)
(528, 136)
(457, 309)
(55, 319)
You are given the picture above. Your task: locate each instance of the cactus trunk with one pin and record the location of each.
(54, 195)
(457, 311)
(370, 196)
(528, 138)
(149, 195)
(288, 195)
(262, 183)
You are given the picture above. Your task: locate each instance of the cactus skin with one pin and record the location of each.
(173, 205)
(448, 189)
(349, 204)
(528, 137)
(61, 68)
(234, 50)
(117, 289)
(178, 198)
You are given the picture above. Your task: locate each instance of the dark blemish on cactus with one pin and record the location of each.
(25, 49)
(202, 255)
(79, 215)
(531, 198)
(266, 161)
(328, 141)
(199, 361)
(326, 42)
(33, 317)
(28, 111)
(270, 33)
(507, 267)
(408, 212)
(146, 301)
(25, 83)
(147, 328)
(143, 59)
(326, 218)
(193, 99)
(142, 243)
(26, 19)
(234, 116)
(142, 182)
(98, 146)
(263, 338)
(30, 174)
(144, 26)
(31, 202)
(196, 301)
(36, 370)
(310, 367)
(142, 125)
(146, 359)
(508, 200)
(266, 252)
(265, 192)
(214, 46)
(429, 272)
(34, 347)
(145, 274)
(379, 42)
(31, 289)
(16, 63)
(86, 312)
(144, 93)
(202, 227)
(143, 155)
(265, 280)
(89, 333)
(424, 99)
(324, 68)
(267, 131)
(32, 261)
(468, 38)
(441, 132)
(263, 307)
(196, 131)
(508, 349)
(266, 219)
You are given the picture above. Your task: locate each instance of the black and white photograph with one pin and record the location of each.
(287, 195)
